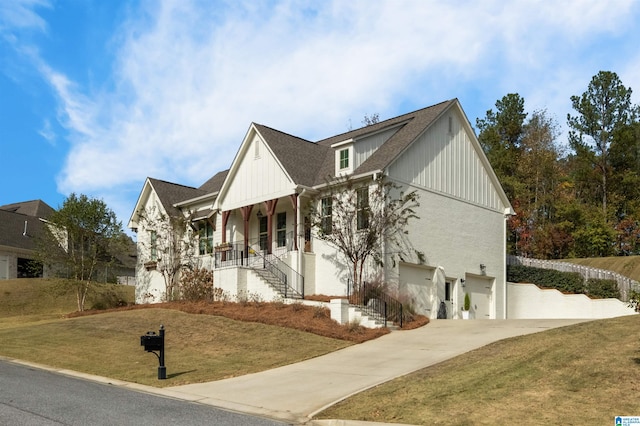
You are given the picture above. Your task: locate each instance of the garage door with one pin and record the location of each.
(417, 283)
(481, 292)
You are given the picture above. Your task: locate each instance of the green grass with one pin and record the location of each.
(583, 374)
(199, 348)
(629, 266)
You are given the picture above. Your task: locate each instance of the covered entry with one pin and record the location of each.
(480, 290)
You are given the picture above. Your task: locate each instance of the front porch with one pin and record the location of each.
(245, 267)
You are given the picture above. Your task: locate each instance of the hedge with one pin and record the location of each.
(566, 282)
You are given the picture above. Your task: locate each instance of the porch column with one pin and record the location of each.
(294, 202)
(270, 206)
(225, 220)
(246, 212)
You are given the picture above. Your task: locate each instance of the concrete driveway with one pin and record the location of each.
(296, 392)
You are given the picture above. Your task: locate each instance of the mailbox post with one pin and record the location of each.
(153, 342)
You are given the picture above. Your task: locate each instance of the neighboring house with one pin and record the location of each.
(253, 234)
(20, 224)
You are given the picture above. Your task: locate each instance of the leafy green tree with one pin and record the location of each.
(500, 135)
(82, 238)
(601, 110)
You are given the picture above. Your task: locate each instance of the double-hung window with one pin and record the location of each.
(325, 215)
(153, 238)
(362, 207)
(344, 159)
(281, 229)
(205, 235)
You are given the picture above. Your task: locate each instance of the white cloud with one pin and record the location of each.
(21, 14)
(190, 76)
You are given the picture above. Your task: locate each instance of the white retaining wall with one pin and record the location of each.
(527, 301)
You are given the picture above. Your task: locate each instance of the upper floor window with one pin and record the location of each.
(326, 224)
(362, 207)
(205, 235)
(344, 159)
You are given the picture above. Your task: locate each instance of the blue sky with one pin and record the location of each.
(97, 95)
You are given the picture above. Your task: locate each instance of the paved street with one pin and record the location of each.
(35, 397)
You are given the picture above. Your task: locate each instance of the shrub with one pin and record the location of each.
(602, 289)
(197, 285)
(567, 282)
(320, 312)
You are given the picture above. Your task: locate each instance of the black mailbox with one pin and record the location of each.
(151, 341)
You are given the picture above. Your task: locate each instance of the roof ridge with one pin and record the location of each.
(284, 133)
(171, 183)
(399, 118)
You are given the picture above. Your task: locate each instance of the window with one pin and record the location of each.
(362, 207)
(153, 238)
(281, 229)
(263, 233)
(344, 159)
(206, 238)
(325, 215)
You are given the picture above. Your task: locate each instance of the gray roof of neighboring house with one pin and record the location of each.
(12, 230)
(313, 163)
(35, 208)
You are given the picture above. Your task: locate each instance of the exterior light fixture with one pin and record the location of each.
(483, 268)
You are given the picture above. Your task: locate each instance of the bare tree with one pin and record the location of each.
(169, 247)
(358, 218)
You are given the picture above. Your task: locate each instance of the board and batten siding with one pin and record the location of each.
(258, 177)
(444, 160)
(367, 146)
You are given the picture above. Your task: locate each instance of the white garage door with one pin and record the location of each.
(481, 292)
(417, 283)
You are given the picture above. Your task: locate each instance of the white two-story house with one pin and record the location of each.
(251, 220)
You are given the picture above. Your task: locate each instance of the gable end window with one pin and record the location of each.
(362, 208)
(326, 224)
(344, 159)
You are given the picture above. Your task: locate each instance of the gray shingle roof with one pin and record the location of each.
(215, 183)
(172, 193)
(35, 208)
(12, 230)
(313, 163)
(301, 158)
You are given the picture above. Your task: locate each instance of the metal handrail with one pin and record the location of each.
(290, 279)
(234, 254)
(375, 303)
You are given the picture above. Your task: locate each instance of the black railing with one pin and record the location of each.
(374, 302)
(291, 283)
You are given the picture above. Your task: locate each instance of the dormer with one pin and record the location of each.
(344, 157)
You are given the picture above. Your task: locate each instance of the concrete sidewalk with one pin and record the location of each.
(294, 393)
